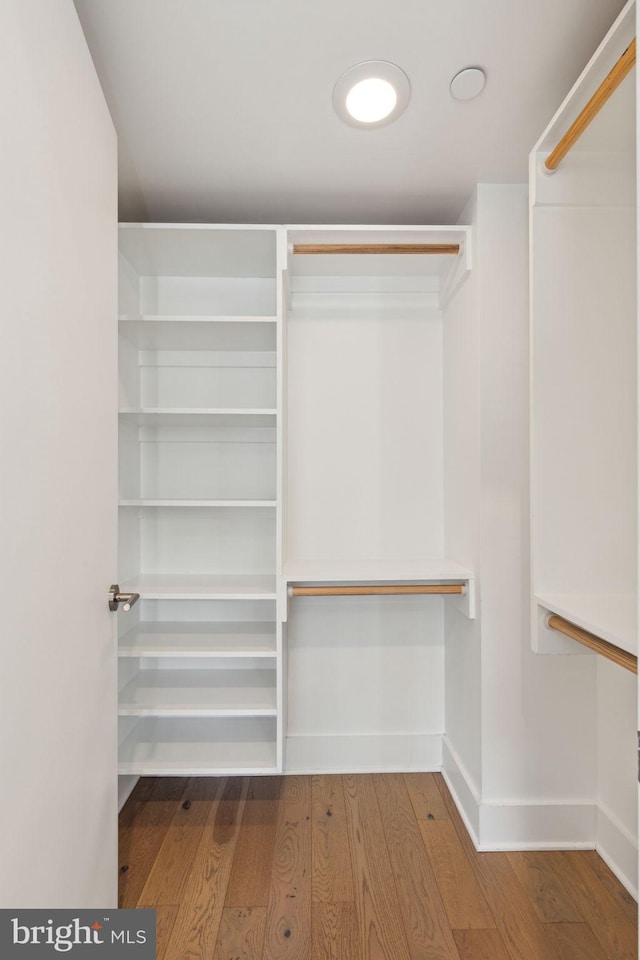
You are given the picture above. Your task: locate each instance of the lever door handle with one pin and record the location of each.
(126, 599)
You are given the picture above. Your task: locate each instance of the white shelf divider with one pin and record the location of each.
(199, 747)
(199, 693)
(216, 640)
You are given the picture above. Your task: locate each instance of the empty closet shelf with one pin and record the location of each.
(199, 747)
(200, 639)
(199, 333)
(147, 502)
(199, 416)
(203, 586)
(200, 693)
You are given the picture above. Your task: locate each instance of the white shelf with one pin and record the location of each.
(199, 639)
(192, 318)
(204, 693)
(196, 747)
(199, 417)
(197, 503)
(199, 333)
(373, 571)
(203, 586)
(612, 617)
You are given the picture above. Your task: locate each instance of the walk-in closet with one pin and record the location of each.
(320, 532)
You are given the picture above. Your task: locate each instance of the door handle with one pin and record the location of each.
(126, 599)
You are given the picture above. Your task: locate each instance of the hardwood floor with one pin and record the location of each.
(353, 868)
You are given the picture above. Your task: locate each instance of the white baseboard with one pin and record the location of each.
(618, 848)
(125, 789)
(384, 753)
(463, 789)
(515, 825)
(536, 825)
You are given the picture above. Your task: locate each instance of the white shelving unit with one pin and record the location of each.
(200, 660)
(214, 386)
(584, 436)
(366, 481)
(584, 366)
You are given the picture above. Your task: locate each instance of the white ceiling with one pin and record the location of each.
(223, 107)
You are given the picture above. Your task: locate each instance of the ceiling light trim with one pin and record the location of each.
(371, 69)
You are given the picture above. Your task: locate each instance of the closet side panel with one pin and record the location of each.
(537, 715)
(461, 516)
(617, 828)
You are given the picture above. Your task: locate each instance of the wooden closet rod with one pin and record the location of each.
(366, 248)
(603, 647)
(375, 591)
(608, 86)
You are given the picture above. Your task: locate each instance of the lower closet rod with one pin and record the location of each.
(375, 591)
(603, 647)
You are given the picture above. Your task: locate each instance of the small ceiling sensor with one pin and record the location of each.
(371, 94)
(468, 83)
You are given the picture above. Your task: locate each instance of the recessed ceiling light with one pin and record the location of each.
(468, 83)
(371, 100)
(372, 93)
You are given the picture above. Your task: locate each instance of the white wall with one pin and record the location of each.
(366, 683)
(58, 447)
(364, 425)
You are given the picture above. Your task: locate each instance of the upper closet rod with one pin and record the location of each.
(608, 86)
(603, 647)
(375, 590)
(437, 248)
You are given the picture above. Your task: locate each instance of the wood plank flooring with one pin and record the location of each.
(353, 867)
